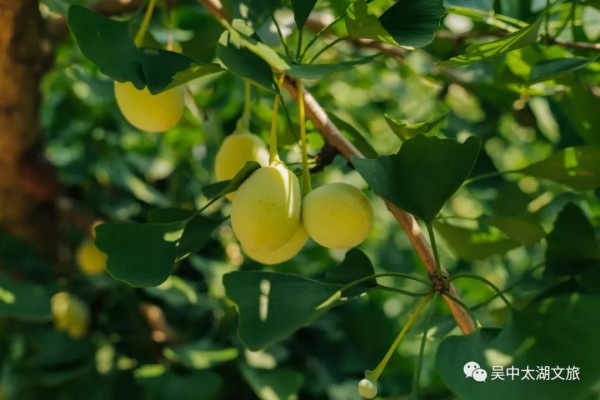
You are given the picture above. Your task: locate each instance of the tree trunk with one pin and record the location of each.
(26, 180)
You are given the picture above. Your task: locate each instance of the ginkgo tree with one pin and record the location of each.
(315, 199)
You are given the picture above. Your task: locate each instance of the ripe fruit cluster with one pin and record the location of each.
(269, 216)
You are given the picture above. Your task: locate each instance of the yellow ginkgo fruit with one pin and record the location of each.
(265, 212)
(283, 253)
(235, 151)
(337, 215)
(70, 314)
(150, 112)
(90, 259)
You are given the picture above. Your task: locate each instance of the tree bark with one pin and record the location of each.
(27, 184)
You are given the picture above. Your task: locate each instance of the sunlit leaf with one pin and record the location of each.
(577, 167)
(196, 355)
(405, 130)
(471, 244)
(318, 71)
(519, 229)
(547, 333)
(244, 63)
(483, 51)
(548, 69)
(361, 24)
(580, 109)
(423, 175)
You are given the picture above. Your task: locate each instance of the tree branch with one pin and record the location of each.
(409, 224)
(332, 134)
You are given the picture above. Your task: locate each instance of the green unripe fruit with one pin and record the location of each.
(337, 215)
(283, 253)
(367, 389)
(90, 259)
(149, 112)
(235, 151)
(265, 212)
(70, 314)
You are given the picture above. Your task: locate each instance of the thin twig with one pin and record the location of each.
(576, 45)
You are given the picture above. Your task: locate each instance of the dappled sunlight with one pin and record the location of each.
(496, 357)
(263, 301)
(260, 359)
(173, 236)
(7, 296)
(267, 392)
(571, 160)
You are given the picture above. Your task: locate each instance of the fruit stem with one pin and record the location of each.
(247, 99)
(273, 156)
(243, 124)
(170, 34)
(141, 33)
(305, 179)
(426, 327)
(374, 375)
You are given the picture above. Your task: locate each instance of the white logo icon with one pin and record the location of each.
(473, 370)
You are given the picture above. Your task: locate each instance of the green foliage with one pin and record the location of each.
(531, 339)
(572, 244)
(268, 301)
(413, 178)
(108, 44)
(407, 23)
(244, 63)
(549, 69)
(412, 23)
(483, 51)
(475, 244)
(22, 300)
(189, 315)
(576, 167)
(176, 235)
(302, 9)
(282, 383)
(406, 130)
